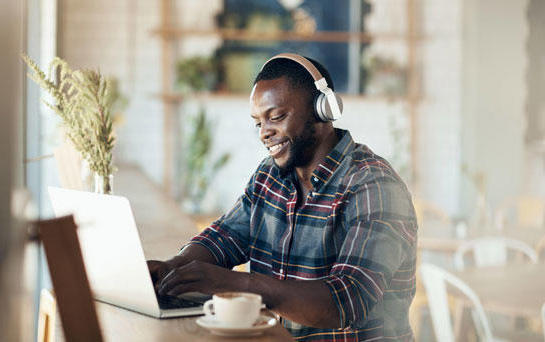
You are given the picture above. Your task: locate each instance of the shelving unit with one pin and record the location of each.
(413, 89)
(169, 33)
(176, 98)
(244, 35)
(169, 107)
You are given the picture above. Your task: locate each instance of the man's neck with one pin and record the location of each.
(320, 153)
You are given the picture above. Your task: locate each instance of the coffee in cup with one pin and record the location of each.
(234, 309)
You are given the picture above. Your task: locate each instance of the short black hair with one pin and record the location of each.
(297, 75)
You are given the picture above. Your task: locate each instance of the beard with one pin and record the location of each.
(301, 147)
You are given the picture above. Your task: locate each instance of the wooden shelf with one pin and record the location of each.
(175, 98)
(245, 35)
(169, 32)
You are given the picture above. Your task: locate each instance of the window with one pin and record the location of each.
(319, 29)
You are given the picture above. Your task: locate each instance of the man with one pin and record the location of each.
(327, 225)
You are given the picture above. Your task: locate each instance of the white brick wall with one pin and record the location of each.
(115, 36)
(439, 115)
(494, 88)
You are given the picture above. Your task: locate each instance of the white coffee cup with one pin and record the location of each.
(234, 309)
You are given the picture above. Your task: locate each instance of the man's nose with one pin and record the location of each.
(265, 131)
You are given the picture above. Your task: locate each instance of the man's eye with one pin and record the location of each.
(277, 117)
(258, 124)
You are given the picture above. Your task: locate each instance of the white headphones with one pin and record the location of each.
(328, 106)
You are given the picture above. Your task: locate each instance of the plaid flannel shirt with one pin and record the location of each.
(356, 231)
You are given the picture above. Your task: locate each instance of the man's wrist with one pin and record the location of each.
(177, 261)
(261, 284)
(191, 252)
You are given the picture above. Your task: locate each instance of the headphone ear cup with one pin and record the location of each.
(322, 109)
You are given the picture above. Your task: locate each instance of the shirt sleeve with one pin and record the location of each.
(380, 234)
(228, 237)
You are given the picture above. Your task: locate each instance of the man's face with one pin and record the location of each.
(285, 121)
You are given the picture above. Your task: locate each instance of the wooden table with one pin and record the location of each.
(517, 289)
(123, 325)
(163, 228)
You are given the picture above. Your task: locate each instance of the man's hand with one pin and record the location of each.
(202, 277)
(158, 270)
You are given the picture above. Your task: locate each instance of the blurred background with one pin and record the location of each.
(449, 91)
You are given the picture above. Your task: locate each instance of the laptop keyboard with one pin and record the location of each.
(173, 302)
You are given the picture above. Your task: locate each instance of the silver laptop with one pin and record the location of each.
(113, 255)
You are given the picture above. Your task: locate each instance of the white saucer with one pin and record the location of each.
(263, 323)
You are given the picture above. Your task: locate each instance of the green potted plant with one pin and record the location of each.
(196, 74)
(199, 169)
(385, 76)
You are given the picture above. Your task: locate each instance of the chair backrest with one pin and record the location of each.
(72, 290)
(435, 281)
(492, 251)
(47, 316)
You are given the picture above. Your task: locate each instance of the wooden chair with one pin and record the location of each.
(47, 316)
(72, 290)
(492, 251)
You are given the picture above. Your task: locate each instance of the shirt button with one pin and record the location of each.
(281, 270)
(314, 179)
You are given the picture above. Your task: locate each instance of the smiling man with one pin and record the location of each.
(327, 225)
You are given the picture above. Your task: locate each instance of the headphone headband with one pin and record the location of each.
(313, 71)
(327, 98)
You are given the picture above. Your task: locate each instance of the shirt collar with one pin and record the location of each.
(332, 161)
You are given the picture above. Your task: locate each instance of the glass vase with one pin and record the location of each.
(104, 184)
